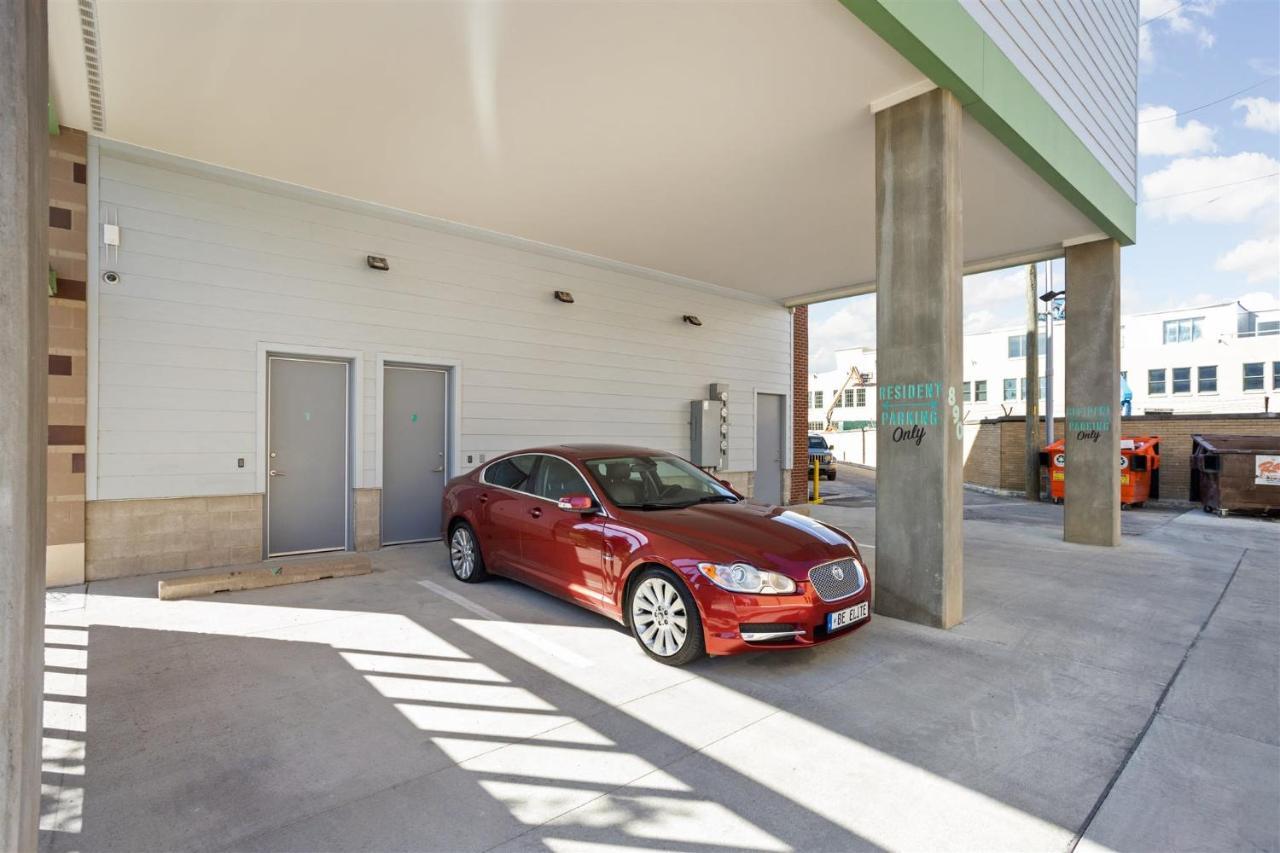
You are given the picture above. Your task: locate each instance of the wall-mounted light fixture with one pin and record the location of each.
(377, 263)
(564, 296)
(692, 320)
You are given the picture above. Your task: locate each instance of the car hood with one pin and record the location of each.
(767, 537)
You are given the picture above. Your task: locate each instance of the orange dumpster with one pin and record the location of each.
(1139, 469)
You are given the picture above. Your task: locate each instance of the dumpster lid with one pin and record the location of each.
(1238, 443)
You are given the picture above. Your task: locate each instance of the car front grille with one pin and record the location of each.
(837, 579)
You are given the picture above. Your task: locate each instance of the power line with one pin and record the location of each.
(1206, 189)
(1211, 103)
(1162, 14)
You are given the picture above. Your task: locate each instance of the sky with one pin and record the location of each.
(1198, 241)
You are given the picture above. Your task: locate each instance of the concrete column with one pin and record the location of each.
(24, 306)
(1093, 394)
(919, 340)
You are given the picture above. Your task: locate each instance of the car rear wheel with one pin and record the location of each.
(464, 554)
(664, 618)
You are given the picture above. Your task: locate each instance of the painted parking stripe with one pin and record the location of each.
(516, 631)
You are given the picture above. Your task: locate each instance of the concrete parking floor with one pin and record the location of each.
(1101, 698)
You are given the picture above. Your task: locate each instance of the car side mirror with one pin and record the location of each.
(576, 503)
(730, 487)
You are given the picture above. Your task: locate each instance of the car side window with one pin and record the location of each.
(511, 473)
(557, 478)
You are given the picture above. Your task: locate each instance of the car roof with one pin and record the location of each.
(593, 451)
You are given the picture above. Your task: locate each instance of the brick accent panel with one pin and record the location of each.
(68, 248)
(996, 458)
(140, 537)
(798, 486)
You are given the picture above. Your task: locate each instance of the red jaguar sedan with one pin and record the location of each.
(650, 540)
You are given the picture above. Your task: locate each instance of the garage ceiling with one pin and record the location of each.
(727, 142)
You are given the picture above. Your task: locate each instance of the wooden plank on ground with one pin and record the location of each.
(271, 573)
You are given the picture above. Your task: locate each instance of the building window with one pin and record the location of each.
(1041, 387)
(1207, 380)
(1253, 376)
(1275, 375)
(817, 399)
(861, 397)
(1011, 389)
(1022, 387)
(980, 391)
(848, 396)
(1181, 331)
(1155, 381)
(1017, 346)
(815, 426)
(1182, 380)
(1268, 327)
(964, 391)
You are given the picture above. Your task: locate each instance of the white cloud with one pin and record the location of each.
(1258, 260)
(1260, 113)
(1260, 300)
(991, 300)
(853, 325)
(1173, 16)
(1160, 133)
(1212, 189)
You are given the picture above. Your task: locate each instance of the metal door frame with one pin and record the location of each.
(784, 437)
(346, 447)
(445, 422)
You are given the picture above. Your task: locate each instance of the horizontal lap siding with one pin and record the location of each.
(1082, 57)
(211, 268)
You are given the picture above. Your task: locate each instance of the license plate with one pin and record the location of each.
(848, 616)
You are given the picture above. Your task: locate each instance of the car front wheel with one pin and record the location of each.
(664, 618)
(464, 554)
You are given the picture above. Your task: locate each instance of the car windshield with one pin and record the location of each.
(655, 482)
(817, 442)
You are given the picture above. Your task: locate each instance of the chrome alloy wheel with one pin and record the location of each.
(462, 553)
(659, 617)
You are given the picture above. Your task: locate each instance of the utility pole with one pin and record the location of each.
(1032, 353)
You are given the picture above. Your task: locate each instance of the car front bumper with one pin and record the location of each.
(724, 615)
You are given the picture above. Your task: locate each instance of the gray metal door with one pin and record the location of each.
(307, 455)
(414, 452)
(769, 448)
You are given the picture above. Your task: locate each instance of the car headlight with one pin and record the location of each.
(740, 577)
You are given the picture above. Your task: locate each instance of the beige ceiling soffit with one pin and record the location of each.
(912, 91)
(1079, 241)
(92, 62)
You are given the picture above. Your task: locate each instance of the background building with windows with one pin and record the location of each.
(1210, 359)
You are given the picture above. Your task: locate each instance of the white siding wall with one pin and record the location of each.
(212, 264)
(1082, 56)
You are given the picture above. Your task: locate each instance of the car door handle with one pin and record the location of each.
(536, 512)
(483, 499)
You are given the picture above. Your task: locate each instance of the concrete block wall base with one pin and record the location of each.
(273, 573)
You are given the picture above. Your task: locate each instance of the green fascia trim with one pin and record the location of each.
(54, 128)
(942, 40)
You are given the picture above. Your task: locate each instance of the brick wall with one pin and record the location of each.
(68, 325)
(798, 486)
(996, 459)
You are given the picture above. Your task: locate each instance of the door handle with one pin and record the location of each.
(536, 512)
(483, 499)
(438, 470)
(275, 473)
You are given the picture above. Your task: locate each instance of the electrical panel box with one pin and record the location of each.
(704, 437)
